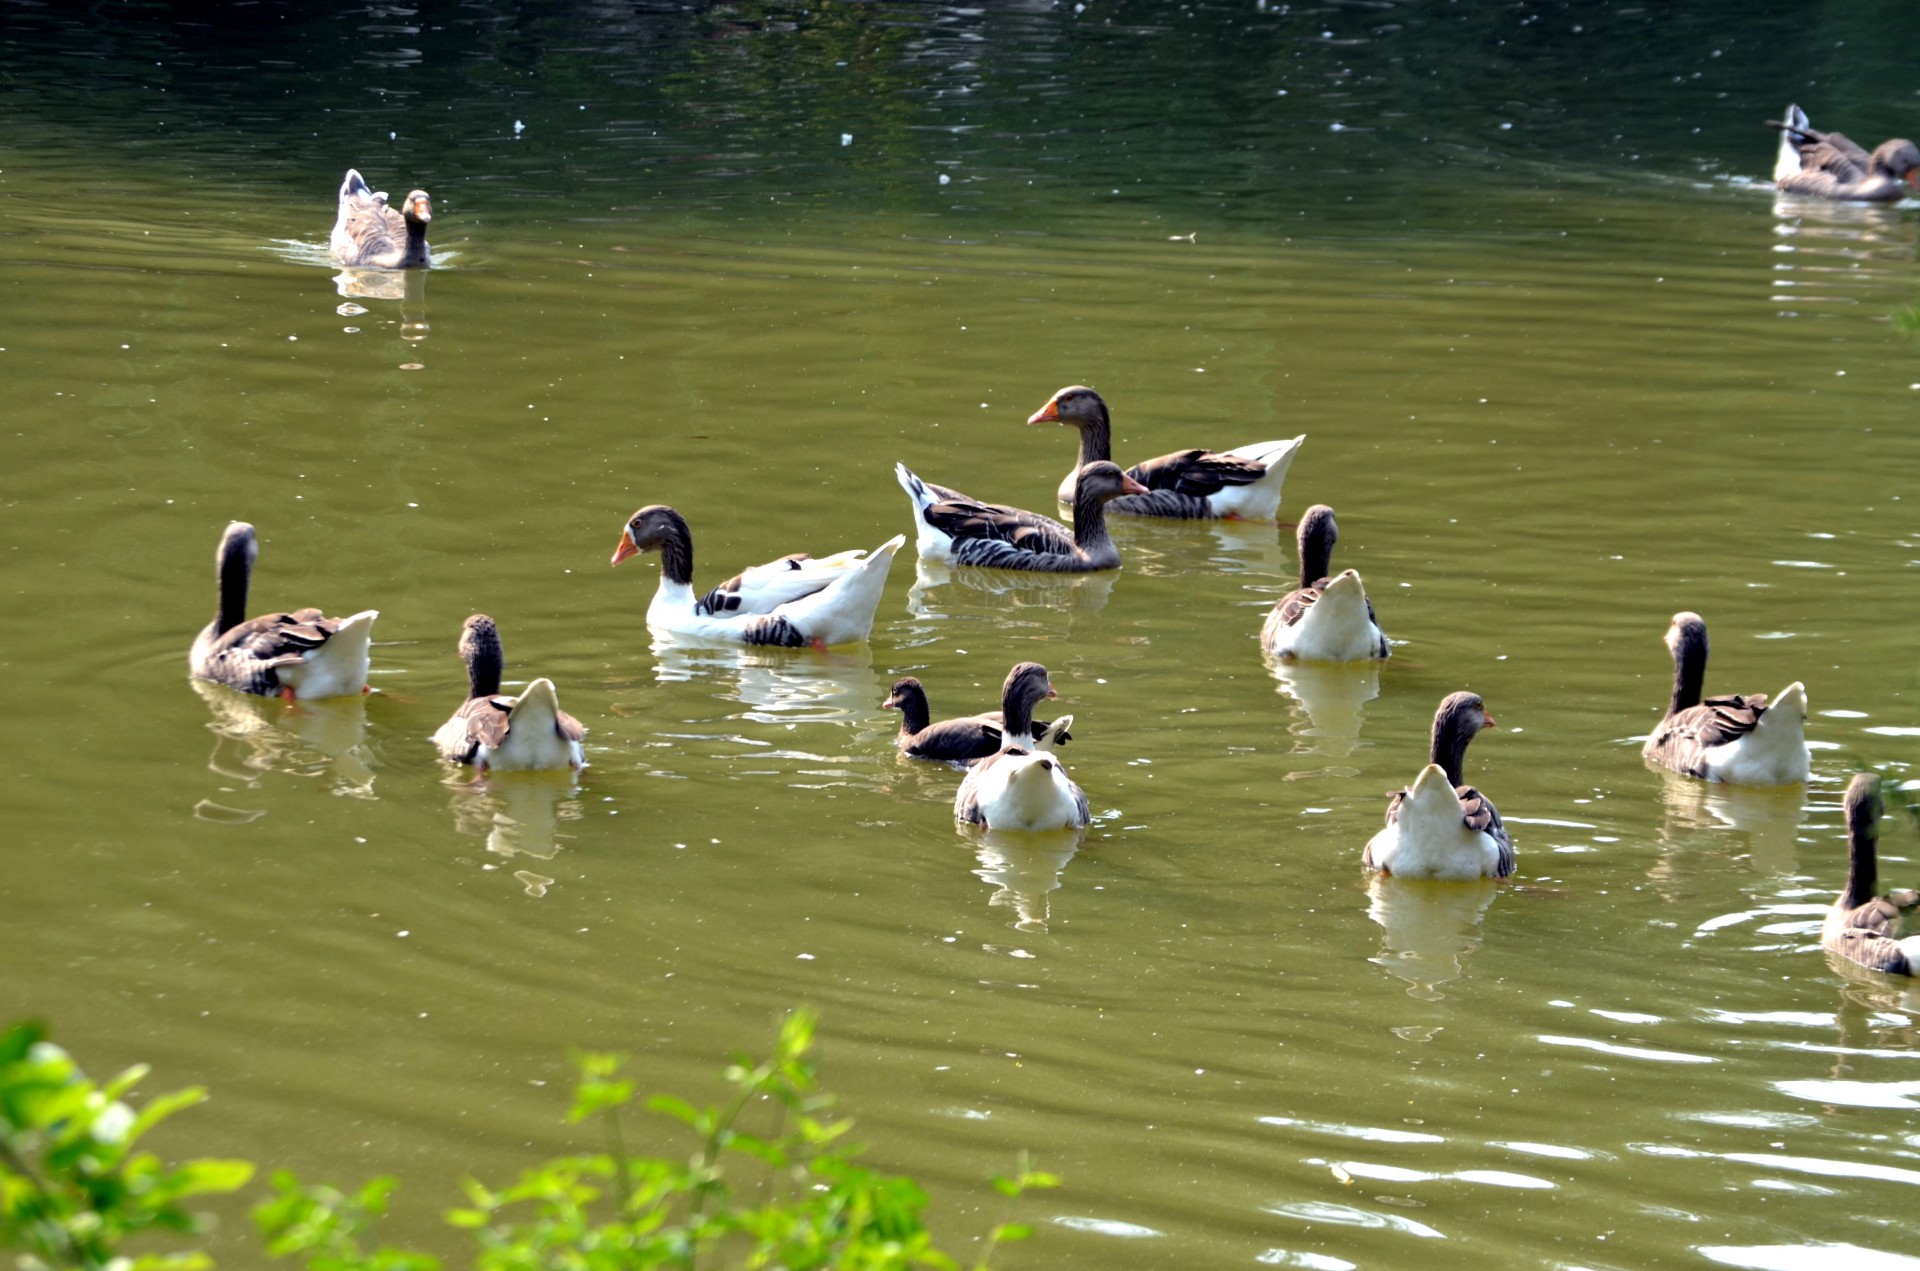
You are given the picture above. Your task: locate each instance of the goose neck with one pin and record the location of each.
(1689, 669)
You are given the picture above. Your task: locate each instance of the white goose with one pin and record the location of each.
(302, 654)
(1440, 827)
(1017, 788)
(1242, 483)
(792, 602)
(1326, 619)
(367, 234)
(1737, 738)
(498, 733)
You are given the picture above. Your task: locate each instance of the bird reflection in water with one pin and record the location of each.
(778, 686)
(408, 286)
(1830, 255)
(1000, 595)
(1024, 869)
(1330, 694)
(519, 814)
(1431, 928)
(257, 735)
(1761, 823)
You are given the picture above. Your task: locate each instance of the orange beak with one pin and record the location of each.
(1489, 719)
(1048, 414)
(624, 548)
(1134, 487)
(889, 704)
(1913, 179)
(422, 210)
(1051, 693)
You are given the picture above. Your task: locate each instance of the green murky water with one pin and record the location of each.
(1563, 370)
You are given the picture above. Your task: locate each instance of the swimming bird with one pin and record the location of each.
(1828, 165)
(964, 531)
(495, 732)
(791, 602)
(1017, 787)
(975, 736)
(1860, 926)
(1242, 483)
(1440, 827)
(1736, 738)
(1326, 619)
(303, 654)
(368, 234)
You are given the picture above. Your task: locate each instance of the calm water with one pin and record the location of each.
(1563, 369)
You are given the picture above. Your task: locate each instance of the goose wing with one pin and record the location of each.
(964, 519)
(1197, 474)
(1478, 813)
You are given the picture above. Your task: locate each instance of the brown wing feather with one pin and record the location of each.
(1029, 531)
(1196, 473)
(376, 228)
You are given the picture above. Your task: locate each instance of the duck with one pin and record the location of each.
(367, 234)
(1188, 485)
(975, 736)
(963, 531)
(792, 602)
(500, 733)
(1325, 619)
(1828, 165)
(1440, 827)
(1018, 787)
(1860, 926)
(1740, 739)
(298, 655)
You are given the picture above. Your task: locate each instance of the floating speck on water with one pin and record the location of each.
(393, 136)
(403, 934)
(1836, 372)
(413, 366)
(413, 505)
(350, 330)
(1336, 127)
(803, 957)
(290, 338)
(518, 127)
(350, 310)
(846, 138)
(1506, 127)
(126, 346)
(945, 179)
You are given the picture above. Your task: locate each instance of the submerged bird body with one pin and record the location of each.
(368, 234)
(974, 736)
(1325, 619)
(1860, 926)
(1243, 483)
(1441, 828)
(961, 531)
(1829, 165)
(302, 654)
(1740, 738)
(502, 733)
(792, 602)
(1017, 787)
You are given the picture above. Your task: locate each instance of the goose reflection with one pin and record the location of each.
(778, 686)
(1179, 548)
(1829, 254)
(519, 814)
(408, 286)
(258, 735)
(1330, 694)
(947, 591)
(1431, 928)
(1024, 869)
(1761, 822)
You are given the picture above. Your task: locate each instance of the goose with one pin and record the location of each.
(1740, 739)
(493, 732)
(302, 654)
(368, 234)
(1326, 619)
(963, 531)
(1860, 926)
(1440, 827)
(975, 736)
(1827, 165)
(1017, 787)
(1239, 484)
(792, 602)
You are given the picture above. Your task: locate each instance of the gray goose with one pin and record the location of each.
(1325, 619)
(1737, 738)
(964, 531)
(975, 736)
(1829, 165)
(1016, 787)
(1239, 484)
(302, 654)
(1860, 926)
(367, 234)
(493, 731)
(1440, 827)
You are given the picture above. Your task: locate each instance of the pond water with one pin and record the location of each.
(1563, 366)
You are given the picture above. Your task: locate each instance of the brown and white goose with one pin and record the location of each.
(1737, 738)
(791, 602)
(1829, 165)
(502, 733)
(1242, 483)
(1860, 926)
(964, 531)
(1017, 787)
(1326, 619)
(303, 654)
(1440, 827)
(975, 736)
(367, 234)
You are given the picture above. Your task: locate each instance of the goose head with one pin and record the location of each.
(1076, 405)
(1899, 159)
(418, 209)
(480, 649)
(1102, 482)
(653, 526)
(1461, 716)
(1863, 807)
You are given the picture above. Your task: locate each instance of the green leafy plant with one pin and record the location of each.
(790, 1195)
(72, 1187)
